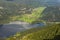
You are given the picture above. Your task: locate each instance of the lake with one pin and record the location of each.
(12, 28)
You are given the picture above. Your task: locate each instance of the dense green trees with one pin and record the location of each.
(51, 14)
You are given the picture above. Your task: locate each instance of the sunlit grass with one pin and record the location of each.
(36, 13)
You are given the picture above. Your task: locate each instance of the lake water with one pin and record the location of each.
(12, 28)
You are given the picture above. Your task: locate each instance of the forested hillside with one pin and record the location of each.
(28, 15)
(51, 14)
(34, 3)
(48, 33)
(28, 11)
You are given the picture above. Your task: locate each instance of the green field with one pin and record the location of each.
(34, 16)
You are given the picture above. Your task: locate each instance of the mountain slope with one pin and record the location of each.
(48, 33)
(35, 3)
(51, 14)
(11, 10)
(45, 33)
